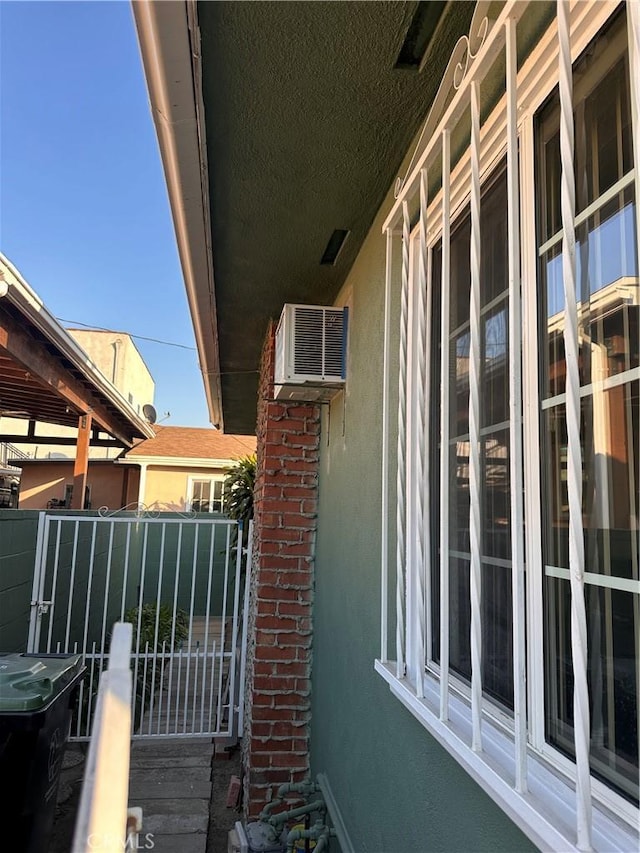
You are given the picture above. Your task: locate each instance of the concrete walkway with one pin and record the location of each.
(171, 781)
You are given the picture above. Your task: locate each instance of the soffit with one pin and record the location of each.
(307, 122)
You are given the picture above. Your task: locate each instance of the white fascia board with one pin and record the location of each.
(170, 47)
(16, 290)
(176, 462)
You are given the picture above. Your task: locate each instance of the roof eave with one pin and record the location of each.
(169, 45)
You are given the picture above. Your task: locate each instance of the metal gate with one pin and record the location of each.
(182, 583)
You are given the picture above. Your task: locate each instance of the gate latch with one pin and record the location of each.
(43, 606)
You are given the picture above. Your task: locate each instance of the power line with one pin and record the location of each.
(153, 340)
(131, 335)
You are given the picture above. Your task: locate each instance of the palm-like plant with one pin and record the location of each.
(239, 483)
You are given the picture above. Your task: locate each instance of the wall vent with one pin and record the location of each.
(310, 352)
(334, 247)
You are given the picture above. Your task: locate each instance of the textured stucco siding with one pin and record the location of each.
(396, 788)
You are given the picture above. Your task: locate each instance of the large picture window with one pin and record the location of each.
(494, 444)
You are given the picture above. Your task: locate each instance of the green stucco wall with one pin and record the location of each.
(396, 788)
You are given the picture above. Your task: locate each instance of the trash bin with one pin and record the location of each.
(36, 698)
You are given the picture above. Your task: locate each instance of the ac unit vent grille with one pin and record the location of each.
(307, 347)
(318, 344)
(310, 361)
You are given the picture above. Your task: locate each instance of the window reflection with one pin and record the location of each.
(495, 555)
(607, 295)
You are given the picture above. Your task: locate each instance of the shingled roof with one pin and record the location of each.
(193, 443)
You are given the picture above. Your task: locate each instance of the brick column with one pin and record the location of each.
(276, 740)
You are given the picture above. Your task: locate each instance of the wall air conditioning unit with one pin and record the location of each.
(311, 344)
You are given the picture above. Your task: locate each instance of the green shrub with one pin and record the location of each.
(165, 627)
(146, 678)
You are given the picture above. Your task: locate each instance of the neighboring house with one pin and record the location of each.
(116, 356)
(46, 483)
(181, 469)
(445, 603)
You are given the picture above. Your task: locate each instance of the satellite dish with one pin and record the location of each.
(150, 413)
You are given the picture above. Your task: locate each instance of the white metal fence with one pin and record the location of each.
(179, 581)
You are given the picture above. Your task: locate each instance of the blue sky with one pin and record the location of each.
(84, 213)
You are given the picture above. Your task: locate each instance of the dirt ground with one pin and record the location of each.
(221, 818)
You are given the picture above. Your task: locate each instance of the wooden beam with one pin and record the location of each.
(81, 464)
(34, 357)
(62, 440)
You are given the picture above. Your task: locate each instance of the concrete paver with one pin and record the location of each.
(179, 843)
(171, 781)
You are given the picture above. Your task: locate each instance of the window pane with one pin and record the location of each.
(459, 618)
(497, 634)
(603, 125)
(603, 140)
(201, 491)
(610, 498)
(496, 503)
(459, 363)
(494, 399)
(459, 497)
(608, 306)
(216, 500)
(613, 635)
(460, 273)
(494, 258)
(608, 297)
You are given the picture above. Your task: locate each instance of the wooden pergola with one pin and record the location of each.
(46, 378)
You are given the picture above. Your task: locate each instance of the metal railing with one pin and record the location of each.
(10, 451)
(102, 822)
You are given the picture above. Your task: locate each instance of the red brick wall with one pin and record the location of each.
(276, 742)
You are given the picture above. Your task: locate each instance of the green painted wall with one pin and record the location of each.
(397, 789)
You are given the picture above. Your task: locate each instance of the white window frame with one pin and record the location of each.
(508, 756)
(198, 478)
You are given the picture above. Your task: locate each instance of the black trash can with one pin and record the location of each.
(36, 699)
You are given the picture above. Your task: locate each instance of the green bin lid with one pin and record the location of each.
(29, 682)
